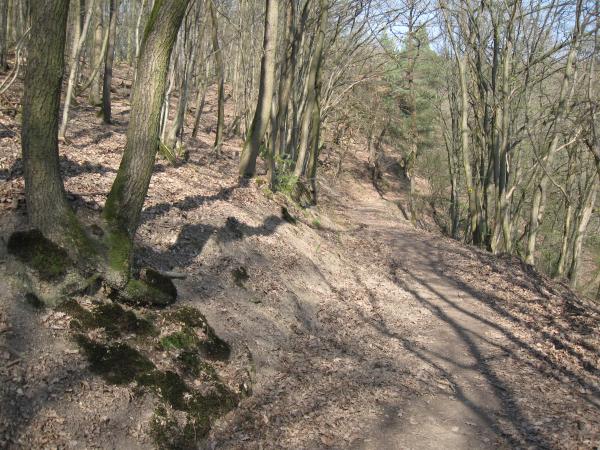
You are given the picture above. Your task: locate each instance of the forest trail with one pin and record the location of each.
(455, 341)
(362, 331)
(442, 346)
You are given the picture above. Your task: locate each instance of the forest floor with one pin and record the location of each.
(357, 330)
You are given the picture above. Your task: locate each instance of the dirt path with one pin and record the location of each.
(484, 371)
(454, 343)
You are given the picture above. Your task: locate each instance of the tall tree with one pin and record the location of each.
(47, 206)
(126, 198)
(220, 69)
(109, 58)
(266, 88)
(46, 203)
(3, 35)
(77, 46)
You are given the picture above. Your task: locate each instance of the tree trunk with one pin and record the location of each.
(108, 63)
(138, 24)
(311, 101)
(315, 145)
(100, 45)
(265, 93)
(583, 218)
(46, 203)
(74, 63)
(200, 100)
(3, 35)
(563, 108)
(220, 78)
(126, 198)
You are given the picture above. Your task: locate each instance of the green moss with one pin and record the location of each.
(203, 407)
(167, 385)
(82, 318)
(168, 434)
(110, 316)
(185, 339)
(116, 363)
(158, 281)
(189, 316)
(50, 261)
(117, 321)
(213, 347)
(119, 250)
(87, 249)
(191, 364)
(154, 14)
(139, 292)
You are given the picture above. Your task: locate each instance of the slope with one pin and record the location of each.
(362, 331)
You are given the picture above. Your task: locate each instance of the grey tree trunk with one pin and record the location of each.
(266, 88)
(126, 198)
(315, 144)
(583, 218)
(46, 203)
(108, 64)
(74, 64)
(220, 78)
(100, 45)
(200, 100)
(311, 101)
(563, 108)
(3, 35)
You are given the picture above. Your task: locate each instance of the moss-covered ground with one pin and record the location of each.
(122, 345)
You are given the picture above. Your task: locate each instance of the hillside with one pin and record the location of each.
(348, 327)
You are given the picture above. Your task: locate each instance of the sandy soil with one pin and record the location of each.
(364, 332)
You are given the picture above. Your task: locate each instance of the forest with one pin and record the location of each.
(299, 224)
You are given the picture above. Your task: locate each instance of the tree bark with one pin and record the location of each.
(563, 108)
(108, 64)
(46, 203)
(100, 44)
(74, 64)
(3, 35)
(583, 218)
(266, 88)
(126, 198)
(315, 145)
(220, 78)
(311, 88)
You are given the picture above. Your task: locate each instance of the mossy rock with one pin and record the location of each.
(32, 248)
(156, 290)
